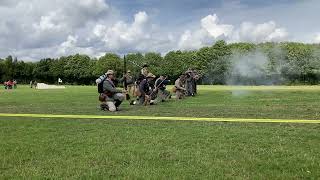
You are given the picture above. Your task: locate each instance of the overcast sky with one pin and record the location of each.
(35, 29)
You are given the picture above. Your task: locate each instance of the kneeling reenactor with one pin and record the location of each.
(179, 88)
(162, 93)
(111, 96)
(145, 90)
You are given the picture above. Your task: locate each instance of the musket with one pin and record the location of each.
(125, 77)
(134, 63)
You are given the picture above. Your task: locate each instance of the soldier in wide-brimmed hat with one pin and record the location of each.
(111, 96)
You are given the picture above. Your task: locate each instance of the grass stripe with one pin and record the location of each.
(162, 118)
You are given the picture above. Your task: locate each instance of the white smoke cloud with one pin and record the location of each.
(251, 66)
(317, 38)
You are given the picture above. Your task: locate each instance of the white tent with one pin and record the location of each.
(46, 86)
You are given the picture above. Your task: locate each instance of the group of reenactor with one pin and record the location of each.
(145, 90)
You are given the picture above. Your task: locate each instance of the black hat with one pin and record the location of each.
(145, 65)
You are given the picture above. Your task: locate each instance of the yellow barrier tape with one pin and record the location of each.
(162, 118)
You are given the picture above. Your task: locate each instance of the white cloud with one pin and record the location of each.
(72, 45)
(268, 31)
(56, 33)
(211, 30)
(49, 22)
(68, 44)
(210, 24)
(36, 29)
(43, 24)
(194, 40)
(137, 36)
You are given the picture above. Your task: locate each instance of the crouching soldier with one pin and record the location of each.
(161, 84)
(179, 87)
(111, 97)
(145, 90)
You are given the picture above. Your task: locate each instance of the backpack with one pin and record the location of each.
(100, 84)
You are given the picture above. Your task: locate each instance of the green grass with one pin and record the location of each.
(217, 101)
(125, 149)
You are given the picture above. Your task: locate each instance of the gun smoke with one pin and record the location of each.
(252, 68)
(249, 69)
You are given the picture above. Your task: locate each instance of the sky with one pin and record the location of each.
(34, 29)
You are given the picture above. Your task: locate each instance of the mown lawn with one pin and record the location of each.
(96, 148)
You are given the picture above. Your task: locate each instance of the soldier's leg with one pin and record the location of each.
(129, 88)
(178, 94)
(118, 97)
(141, 100)
(111, 106)
(159, 97)
(190, 89)
(166, 94)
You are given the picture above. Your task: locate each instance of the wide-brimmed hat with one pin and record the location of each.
(109, 72)
(150, 75)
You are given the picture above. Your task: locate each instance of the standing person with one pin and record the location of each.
(110, 96)
(196, 78)
(5, 85)
(189, 82)
(31, 84)
(14, 84)
(35, 84)
(130, 83)
(145, 90)
(179, 87)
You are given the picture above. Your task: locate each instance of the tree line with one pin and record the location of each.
(221, 63)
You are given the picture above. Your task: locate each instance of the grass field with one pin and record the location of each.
(151, 149)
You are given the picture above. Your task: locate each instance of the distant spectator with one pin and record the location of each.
(14, 84)
(9, 84)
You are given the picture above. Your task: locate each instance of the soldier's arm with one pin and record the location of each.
(108, 87)
(177, 84)
(122, 79)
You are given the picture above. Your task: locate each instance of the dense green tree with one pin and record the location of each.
(287, 63)
(108, 61)
(41, 71)
(217, 63)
